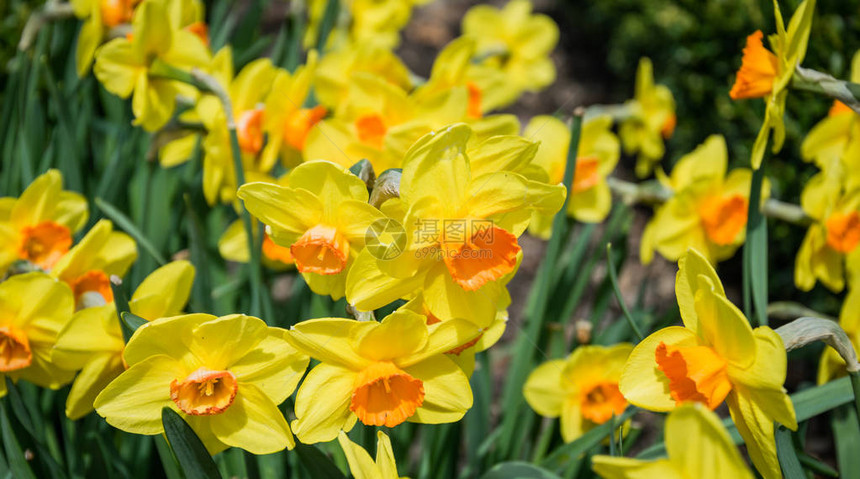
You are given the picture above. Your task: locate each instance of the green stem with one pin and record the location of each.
(613, 278)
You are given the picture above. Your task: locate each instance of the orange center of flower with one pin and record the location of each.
(116, 12)
(200, 30)
(249, 129)
(473, 110)
(14, 349)
(669, 126)
(486, 256)
(385, 395)
(587, 174)
(204, 392)
(322, 250)
(276, 252)
(758, 70)
(92, 282)
(843, 231)
(371, 130)
(300, 123)
(601, 401)
(44, 244)
(432, 319)
(723, 217)
(839, 108)
(696, 373)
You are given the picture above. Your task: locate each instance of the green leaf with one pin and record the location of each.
(132, 321)
(518, 470)
(786, 454)
(193, 458)
(571, 451)
(755, 255)
(317, 464)
(17, 463)
(846, 435)
(613, 278)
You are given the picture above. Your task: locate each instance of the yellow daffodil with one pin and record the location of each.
(651, 121)
(837, 136)
(225, 376)
(516, 42)
(288, 121)
(247, 90)
(832, 238)
(831, 365)
(233, 246)
(379, 122)
(33, 309)
(335, 69)
(708, 210)
(99, 17)
(92, 341)
(597, 154)
(697, 446)
(487, 88)
(37, 227)
(322, 215)
(381, 373)
(582, 389)
(134, 66)
(88, 266)
(362, 466)
(460, 246)
(367, 21)
(767, 75)
(716, 356)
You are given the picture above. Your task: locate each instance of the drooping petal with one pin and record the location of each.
(254, 423)
(360, 463)
(90, 381)
(322, 404)
(613, 467)
(447, 394)
(698, 444)
(543, 389)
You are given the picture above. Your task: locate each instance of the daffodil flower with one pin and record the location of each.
(38, 226)
(766, 74)
(33, 309)
(88, 266)
(247, 90)
(332, 75)
(716, 356)
(651, 121)
(831, 241)
(597, 155)
(379, 122)
(697, 446)
(380, 373)
(708, 210)
(515, 42)
(582, 389)
(831, 365)
(92, 341)
(225, 376)
(487, 88)
(288, 122)
(322, 215)
(99, 16)
(461, 233)
(362, 466)
(375, 22)
(132, 66)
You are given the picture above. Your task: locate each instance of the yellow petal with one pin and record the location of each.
(447, 394)
(722, 325)
(399, 334)
(116, 68)
(329, 340)
(253, 422)
(330, 182)
(164, 336)
(610, 467)
(692, 265)
(90, 381)
(286, 210)
(133, 401)
(164, 292)
(642, 383)
(360, 464)
(385, 456)
(572, 425)
(756, 427)
(698, 444)
(273, 365)
(443, 337)
(543, 389)
(322, 404)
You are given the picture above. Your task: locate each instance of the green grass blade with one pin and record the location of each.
(17, 463)
(613, 278)
(518, 470)
(755, 255)
(786, 454)
(317, 464)
(123, 221)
